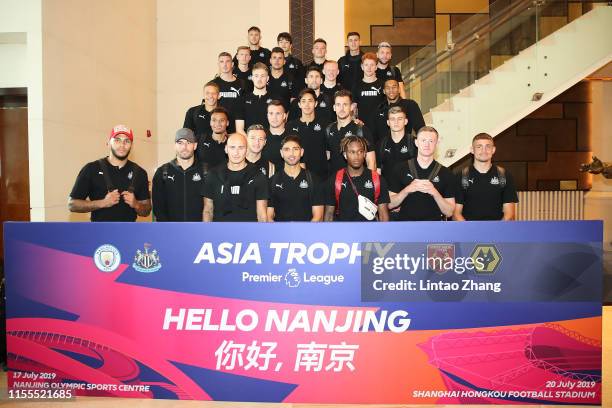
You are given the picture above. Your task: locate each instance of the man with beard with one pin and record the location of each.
(256, 141)
(355, 193)
(112, 188)
(256, 103)
(325, 108)
(258, 53)
(197, 117)
(178, 185)
(211, 146)
(311, 130)
(230, 90)
(295, 193)
(344, 126)
(350, 63)
(237, 191)
(486, 191)
(277, 117)
(423, 188)
(410, 107)
(386, 71)
(280, 83)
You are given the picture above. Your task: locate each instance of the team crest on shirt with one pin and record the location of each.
(349, 133)
(268, 100)
(263, 170)
(196, 177)
(389, 73)
(304, 184)
(131, 175)
(291, 66)
(261, 54)
(495, 181)
(368, 184)
(284, 84)
(404, 149)
(316, 128)
(250, 77)
(323, 104)
(436, 179)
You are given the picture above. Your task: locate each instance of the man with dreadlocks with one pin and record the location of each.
(356, 193)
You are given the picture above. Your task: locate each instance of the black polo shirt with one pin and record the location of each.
(331, 91)
(333, 138)
(235, 193)
(90, 183)
(368, 97)
(260, 55)
(230, 93)
(177, 193)
(312, 136)
(410, 107)
(246, 77)
(295, 68)
(210, 152)
(271, 151)
(323, 110)
(197, 119)
(391, 72)
(293, 198)
(348, 204)
(485, 196)
(263, 166)
(419, 206)
(350, 69)
(255, 109)
(389, 153)
(281, 88)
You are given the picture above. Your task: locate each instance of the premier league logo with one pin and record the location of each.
(107, 258)
(292, 278)
(147, 262)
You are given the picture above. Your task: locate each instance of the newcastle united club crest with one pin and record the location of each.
(147, 262)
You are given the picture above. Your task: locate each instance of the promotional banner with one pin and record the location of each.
(386, 313)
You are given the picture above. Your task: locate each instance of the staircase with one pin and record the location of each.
(475, 99)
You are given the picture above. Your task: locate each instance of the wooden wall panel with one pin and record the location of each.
(413, 31)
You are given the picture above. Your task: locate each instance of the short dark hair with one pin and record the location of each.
(220, 109)
(483, 136)
(343, 93)
(291, 138)
(352, 33)
(314, 68)
(284, 36)
(254, 28)
(275, 102)
(319, 40)
(224, 54)
(277, 50)
(309, 92)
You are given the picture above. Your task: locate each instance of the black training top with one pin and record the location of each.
(90, 183)
(256, 109)
(368, 97)
(389, 153)
(210, 151)
(293, 198)
(335, 136)
(177, 193)
(349, 207)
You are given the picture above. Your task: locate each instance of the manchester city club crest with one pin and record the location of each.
(107, 258)
(147, 262)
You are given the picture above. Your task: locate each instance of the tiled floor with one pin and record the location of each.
(83, 402)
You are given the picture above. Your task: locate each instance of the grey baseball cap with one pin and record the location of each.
(186, 134)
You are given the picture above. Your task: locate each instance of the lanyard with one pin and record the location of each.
(352, 185)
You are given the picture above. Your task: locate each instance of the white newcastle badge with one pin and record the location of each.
(367, 208)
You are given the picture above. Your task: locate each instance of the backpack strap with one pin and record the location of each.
(501, 172)
(412, 168)
(381, 151)
(359, 131)
(376, 181)
(165, 169)
(338, 188)
(465, 184)
(106, 173)
(435, 171)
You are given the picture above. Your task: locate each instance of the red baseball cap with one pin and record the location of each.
(122, 130)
